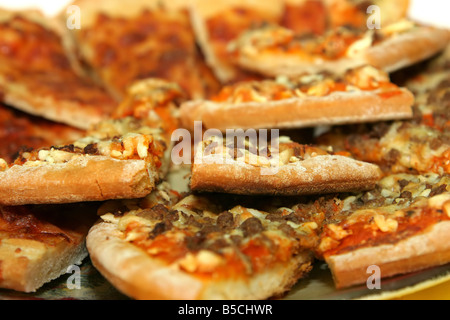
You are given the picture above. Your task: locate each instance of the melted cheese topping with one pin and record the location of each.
(415, 149)
(335, 44)
(145, 97)
(195, 235)
(123, 139)
(402, 201)
(277, 153)
(364, 78)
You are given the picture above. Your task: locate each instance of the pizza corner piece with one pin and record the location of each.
(76, 172)
(279, 167)
(46, 82)
(190, 247)
(216, 25)
(122, 157)
(419, 144)
(402, 231)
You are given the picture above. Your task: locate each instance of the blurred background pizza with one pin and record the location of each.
(434, 12)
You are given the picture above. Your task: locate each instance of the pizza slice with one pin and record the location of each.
(400, 227)
(419, 145)
(150, 39)
(217, 24)
(272, 50)
(396, 148)
(281, 167)
(20, 131)
(360, 95)
(76, 172)
(119, 158)
(39, 243)
(169, 246)
(38, 77)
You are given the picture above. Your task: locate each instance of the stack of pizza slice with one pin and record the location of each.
(90, 148)
(358, 177)
(123, 157)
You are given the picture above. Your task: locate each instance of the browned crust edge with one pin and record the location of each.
(132, 272)
(337, 108)
(322, 174)
(85, 178)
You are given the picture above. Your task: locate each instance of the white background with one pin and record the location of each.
(434, 12)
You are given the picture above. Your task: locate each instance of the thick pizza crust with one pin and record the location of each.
(85, 178)
(321, 174)
(26, 265)
(41, 246)
(337, 108)
(429, 249)
(137, 275)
